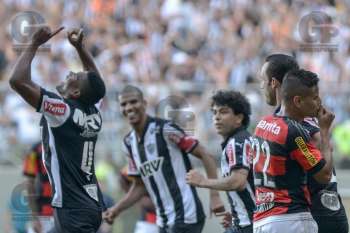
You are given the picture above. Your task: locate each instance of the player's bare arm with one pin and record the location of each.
(20, 79)
(209, 164)
(235, 181)
(325, 119)
(76, 38)
(135, 193)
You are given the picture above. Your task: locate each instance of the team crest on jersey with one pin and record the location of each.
(151, 148)
(91, 189)
(91, 124)
(330, 200)
(151, 167)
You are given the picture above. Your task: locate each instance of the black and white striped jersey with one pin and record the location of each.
(325, 198)
(236, 155)
(162, 165)
(69, 135)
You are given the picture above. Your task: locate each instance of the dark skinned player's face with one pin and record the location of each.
(70, 87)
(310, 104)
(133, 107)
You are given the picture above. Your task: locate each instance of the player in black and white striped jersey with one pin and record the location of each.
(158, 153)
(231, 111)
(70, 124)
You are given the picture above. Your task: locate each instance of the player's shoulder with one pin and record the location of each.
(50, 94)
(311, 125)
(168, 125)
(242, 135)
(162, 121)
(277, 125)
(296, 128)
(127, 138)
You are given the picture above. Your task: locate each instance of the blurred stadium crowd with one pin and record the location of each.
(184, 48)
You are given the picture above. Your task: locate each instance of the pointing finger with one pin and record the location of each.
(56, 31)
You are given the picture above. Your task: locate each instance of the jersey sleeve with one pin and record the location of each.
(184, 142)
(55, 110)
(311, 125)
(132, 168)
(237, 153)
(304, 151)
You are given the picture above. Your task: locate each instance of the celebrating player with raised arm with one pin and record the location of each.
(231, 111)
(326, 205)
(284, 155)
(70, 125)
(158, 153)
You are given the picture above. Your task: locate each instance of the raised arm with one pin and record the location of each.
(325, 119)
(76, 38)
(20, 79)
(209, 164)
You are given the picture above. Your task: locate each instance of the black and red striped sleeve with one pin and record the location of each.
(304, 151)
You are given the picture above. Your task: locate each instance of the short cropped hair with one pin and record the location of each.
(298, 83)
(279, 65)
(234, 100)
(131, 89)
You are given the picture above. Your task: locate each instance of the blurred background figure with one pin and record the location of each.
(39, 191)
(17, 212)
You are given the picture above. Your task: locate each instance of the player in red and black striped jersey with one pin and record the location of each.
(327, 208)
(39, 190)
(284, 155)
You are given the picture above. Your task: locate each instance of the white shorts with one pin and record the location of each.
(146, 227)
(47, 224)
(287, 223)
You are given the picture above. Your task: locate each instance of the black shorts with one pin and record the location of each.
(184, 228)
(329, 225)
(77, 220)
(234, 229)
